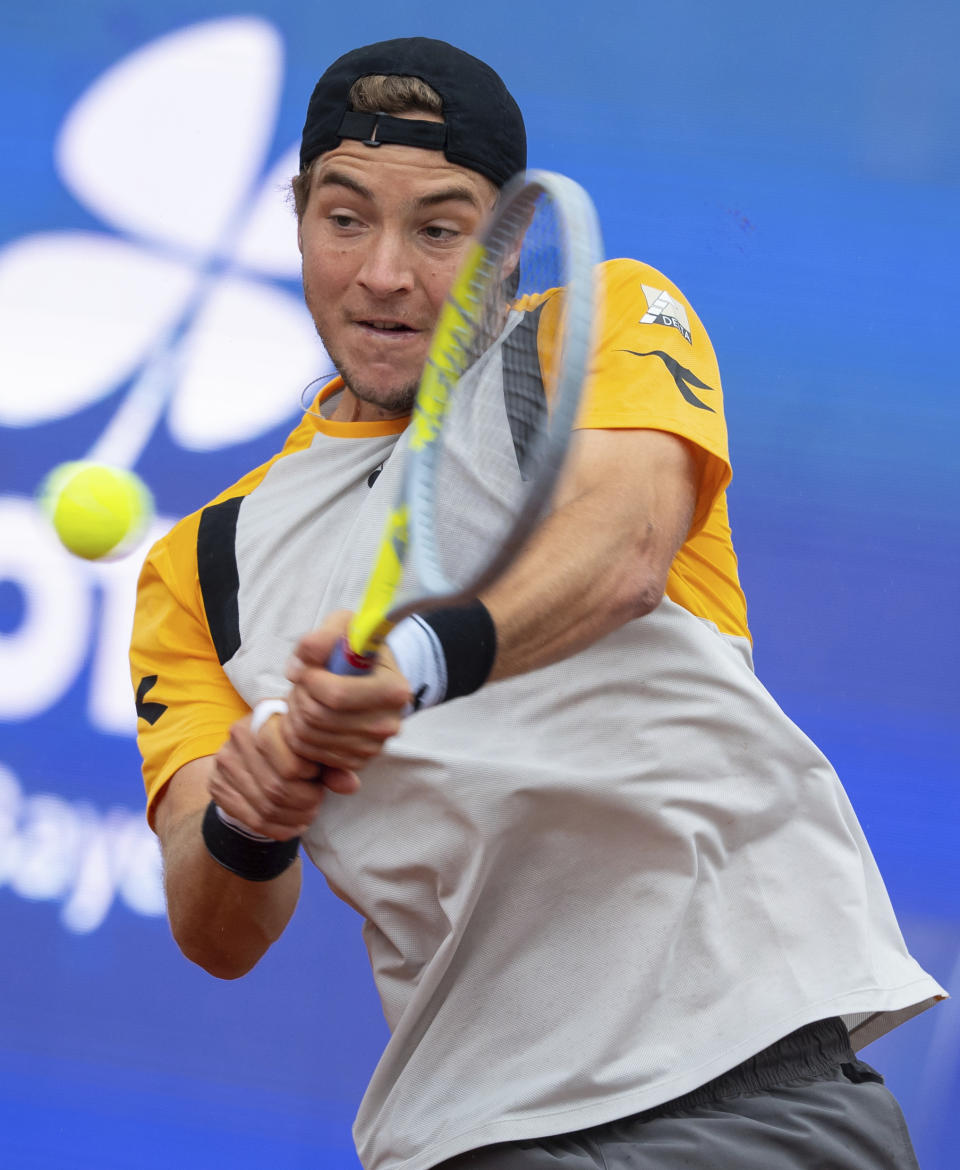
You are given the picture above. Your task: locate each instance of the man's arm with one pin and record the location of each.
(602, 556)
(220, 921)
(601, 559)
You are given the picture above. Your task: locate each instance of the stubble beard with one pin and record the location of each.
(394, 400)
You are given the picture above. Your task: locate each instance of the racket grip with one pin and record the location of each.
(343, 660)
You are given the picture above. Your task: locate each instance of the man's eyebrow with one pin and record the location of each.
(457, 192)
(339, 179)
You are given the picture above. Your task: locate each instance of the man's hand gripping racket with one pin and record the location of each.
(511, 348)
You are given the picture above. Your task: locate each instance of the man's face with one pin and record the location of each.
(382, 235)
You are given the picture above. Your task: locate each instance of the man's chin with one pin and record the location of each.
(391, 399)
(389, 390)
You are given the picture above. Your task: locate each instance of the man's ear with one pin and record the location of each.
(300, 235)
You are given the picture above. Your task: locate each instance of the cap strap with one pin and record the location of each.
(377, 129)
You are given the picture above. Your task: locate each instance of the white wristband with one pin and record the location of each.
(264, 709)
(421, 660)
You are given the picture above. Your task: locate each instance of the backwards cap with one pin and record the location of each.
(482, 127)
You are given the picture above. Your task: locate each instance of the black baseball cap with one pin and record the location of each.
(482, 128)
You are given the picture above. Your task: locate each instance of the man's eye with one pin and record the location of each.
(435, 232)
(342, 221)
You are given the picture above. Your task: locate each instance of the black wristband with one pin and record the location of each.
(469, 641)
(257, 861)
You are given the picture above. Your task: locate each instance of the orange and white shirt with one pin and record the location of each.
(585, 890)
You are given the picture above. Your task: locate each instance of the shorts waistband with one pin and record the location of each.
(812, 1051)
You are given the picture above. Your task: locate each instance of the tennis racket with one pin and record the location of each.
(494, 410)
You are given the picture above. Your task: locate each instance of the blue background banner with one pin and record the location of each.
(794, 170)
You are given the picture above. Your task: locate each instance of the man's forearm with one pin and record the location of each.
(551, 605)
(220, 921)
(601, 559)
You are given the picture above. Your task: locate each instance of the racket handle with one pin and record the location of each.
(343, 660)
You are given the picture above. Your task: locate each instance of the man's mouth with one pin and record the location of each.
(387, 326)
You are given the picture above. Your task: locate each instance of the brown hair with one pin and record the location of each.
(377, 93)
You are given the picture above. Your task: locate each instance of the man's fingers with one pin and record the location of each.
(295, 759)
(237, 794)
(324, 738)
(315, 648)
(379, 690)
(277, 799)
(327, 754)
(252, 777)
(339, 780)
(307, 718)
(271, 743)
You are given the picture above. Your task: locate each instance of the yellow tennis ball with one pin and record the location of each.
(99, 512)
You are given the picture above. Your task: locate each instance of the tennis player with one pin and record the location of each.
(619, 910)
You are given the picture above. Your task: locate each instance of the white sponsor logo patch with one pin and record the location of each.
(663, 309)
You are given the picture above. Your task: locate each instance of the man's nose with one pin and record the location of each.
(388, 265)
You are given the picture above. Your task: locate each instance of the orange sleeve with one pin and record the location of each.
(654, 367)
(185, 702)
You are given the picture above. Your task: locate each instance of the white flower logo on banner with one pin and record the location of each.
(167, 148)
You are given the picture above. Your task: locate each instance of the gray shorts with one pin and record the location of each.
(804, 1103)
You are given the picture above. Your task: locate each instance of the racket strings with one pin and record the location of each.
(498, 373)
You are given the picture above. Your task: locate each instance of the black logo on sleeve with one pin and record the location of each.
(149, 711)
(683, 377)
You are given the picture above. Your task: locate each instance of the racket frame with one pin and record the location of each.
(409, 529)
